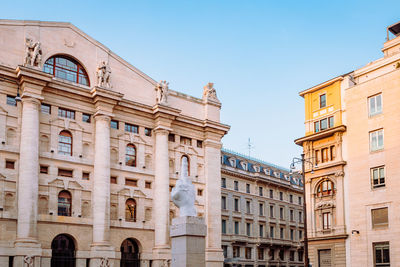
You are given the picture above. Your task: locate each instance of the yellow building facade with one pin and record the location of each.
(351, 138)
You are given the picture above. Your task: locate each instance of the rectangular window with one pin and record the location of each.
(376, 140)
(223, 182)
(130, 182)
(85, 175)
(223, 202)
(236, 228)
(66, 113)
(171, 137)
(331, 122)
(248, 188)
(316, 126)
(248, 229)
(45, 108)
(225, 250)
(375, 105)
(378, 177)
(260, 252)
(271, 193)
(248, 253)
(236, 204)
(147, 131)
(223, 223)
(324, 152)
(333, 152)
(381, 254)
(281, 214)
(260, 191)
(300, 234)
(261, 209)
(326, 220)
(272, 254)
(86, 118)
(199, 144)
(280, 196)
(236, 185)
(379, 218)
(261, 230)
(282, 233)
(113, 179)
(271, 211)
(271, 231)
(65, 173)
(114, 124)
(322, 101)
(291, 198)
(300, 255)
(292, 215)
(147, 185)
(248, 210)
(11, 101)
(10, 164)
(299, 200)
(324, 124)
(317, 157)
(236, 251)
(282, 254)
(300, 217)
(186, 141)
(291, 234)
(291, 257)
(44, 169)
(131, 128)
(199, 192)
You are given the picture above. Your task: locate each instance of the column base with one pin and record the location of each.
(214, 257)
(161, 256)
(102, 253)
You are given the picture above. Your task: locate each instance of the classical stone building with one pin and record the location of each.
(262, 213)
(90, 147)
(352, 133)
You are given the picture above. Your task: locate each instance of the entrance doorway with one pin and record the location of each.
(130, 253)
(62, 251)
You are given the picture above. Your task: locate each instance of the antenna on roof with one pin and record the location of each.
(250, 146)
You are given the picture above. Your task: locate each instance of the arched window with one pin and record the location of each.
(64, 203)
(130, 155)
(325, 188)
(130, 253)
(188, 163)
(63, 251)
(67, 69)
(65, 143)
(130, 210)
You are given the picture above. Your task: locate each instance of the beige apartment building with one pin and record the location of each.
(352, 135)
(90, 147)
(262, 213)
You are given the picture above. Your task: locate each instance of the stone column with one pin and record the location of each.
(212, 171)
(28, 180)
(161, 250)
(101, 191)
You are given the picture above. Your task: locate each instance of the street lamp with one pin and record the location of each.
(303, 160)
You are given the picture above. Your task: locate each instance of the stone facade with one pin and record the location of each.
(362, 199)
(262, 213)
(89, 159)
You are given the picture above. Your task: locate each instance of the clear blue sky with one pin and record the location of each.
(259, 54)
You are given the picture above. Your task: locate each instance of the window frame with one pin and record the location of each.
(54, 66)
(64, 144)
(131, 128)
(11, 101)
(129, 217)
(129, 156)
(377, 112)
(384, 245)
(326, 220)
(66, 113)
(322, 104)
(371, 137)
(62, 202)
(379, 183)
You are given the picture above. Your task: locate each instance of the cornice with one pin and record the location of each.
(320, 135)
(321, 85)
(343, 236)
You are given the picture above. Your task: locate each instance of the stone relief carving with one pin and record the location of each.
(165, 263)
(28, 261)
(33, 53)
(105, 262)
(183, 194)
(162, 92)
(209, 92)
(104, 75)
(339, 174)
(325, 205)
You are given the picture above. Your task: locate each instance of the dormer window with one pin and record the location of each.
(232, 161)
(67, 69)
(244, 165)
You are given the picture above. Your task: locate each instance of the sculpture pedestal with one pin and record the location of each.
(188, 242)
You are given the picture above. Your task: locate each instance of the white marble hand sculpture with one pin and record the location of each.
(183, 194)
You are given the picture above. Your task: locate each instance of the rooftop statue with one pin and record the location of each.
(162, 92)
(33, 53)
(104, 75)
(183, 194)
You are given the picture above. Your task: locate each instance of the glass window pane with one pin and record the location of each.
(324, 124)
(379, 103)
(372, 105)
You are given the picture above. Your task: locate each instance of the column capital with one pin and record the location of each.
(212, 143)
(102, 117)
(162, 130)
(32, 81)
(105, 100)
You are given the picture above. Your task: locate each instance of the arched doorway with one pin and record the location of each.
(130, 253)
(62, 251)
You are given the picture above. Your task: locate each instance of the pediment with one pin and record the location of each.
(124, 191)
(139, 193)
(74, 185)
(57, 183)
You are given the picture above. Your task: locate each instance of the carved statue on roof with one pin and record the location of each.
(33, 53)
(209, 92)
(104, 75)
(183, 194)
(162, 92)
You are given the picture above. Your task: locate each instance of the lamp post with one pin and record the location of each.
(303, 160)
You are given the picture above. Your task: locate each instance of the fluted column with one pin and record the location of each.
(212, 171)
(28, 180)
(161, 197)
(101, 182)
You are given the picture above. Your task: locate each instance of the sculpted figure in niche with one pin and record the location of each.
(104, 75)
(209, 92)
(183, 194)
(33, 53)
(162, 92)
